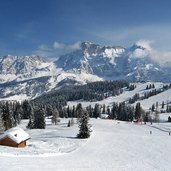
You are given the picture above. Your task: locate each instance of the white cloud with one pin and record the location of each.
(155, 38)
(139, 53)
(160, 56)
(58, 45)
(56, 50)
(126, 35)
(145, 43)
(44, 48)
(44, 51)
(74, 46)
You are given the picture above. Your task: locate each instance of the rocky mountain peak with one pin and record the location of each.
(91, 62)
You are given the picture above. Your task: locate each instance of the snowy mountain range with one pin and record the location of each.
(30, 76)
(113, 62)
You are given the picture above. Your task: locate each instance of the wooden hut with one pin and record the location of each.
(14, 137)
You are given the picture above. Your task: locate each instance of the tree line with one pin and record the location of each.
(11, 114)
(150, 93)
(94, 91)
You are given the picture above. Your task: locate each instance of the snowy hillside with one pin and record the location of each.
(113, 146)
(126, 95)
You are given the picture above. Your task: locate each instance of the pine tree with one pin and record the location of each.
(114, 110)
(138, 111)
(1, 123)
(17, 112)
(7, 118)
(104, 109)
(73, 112)
(169, 119)
(69, 123)
(108, 110)
(163, 104)
(153, 86)
(96, 112)
(26, 109)
(79, 111)
(146, 117)
(49, 110)
(31, 118)
(39, 119)
(153, 107)
(55, 116)
(90, 110)
(130, 112)
(69, 114)
(167, 107)
(156, 116)
(84, 126)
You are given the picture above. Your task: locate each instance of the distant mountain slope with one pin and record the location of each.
(126, 95)
(25, 77)
(113, 62)
(31, 76)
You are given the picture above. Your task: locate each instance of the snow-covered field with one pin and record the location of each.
(55, 139)
(113, 146)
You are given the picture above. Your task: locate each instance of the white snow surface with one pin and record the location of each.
(18, 98)
(113, 146)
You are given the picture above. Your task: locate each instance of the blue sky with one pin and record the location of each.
(53, 27)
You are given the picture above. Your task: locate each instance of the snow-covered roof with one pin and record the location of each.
(16, 134)
(104, 116)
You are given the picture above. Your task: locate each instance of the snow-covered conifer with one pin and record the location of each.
(84, 126)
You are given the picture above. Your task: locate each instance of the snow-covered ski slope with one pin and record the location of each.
(126, 95)
(113, 146)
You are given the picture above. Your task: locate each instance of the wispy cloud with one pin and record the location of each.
(160, 34)
(44, 51)
(145, 43)
(160, 56)
(156, 38)
(73, 46)
(58, 45)
(44, 48)
(56, 49)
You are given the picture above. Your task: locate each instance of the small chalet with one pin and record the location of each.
(14, 137)
(104, 116)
